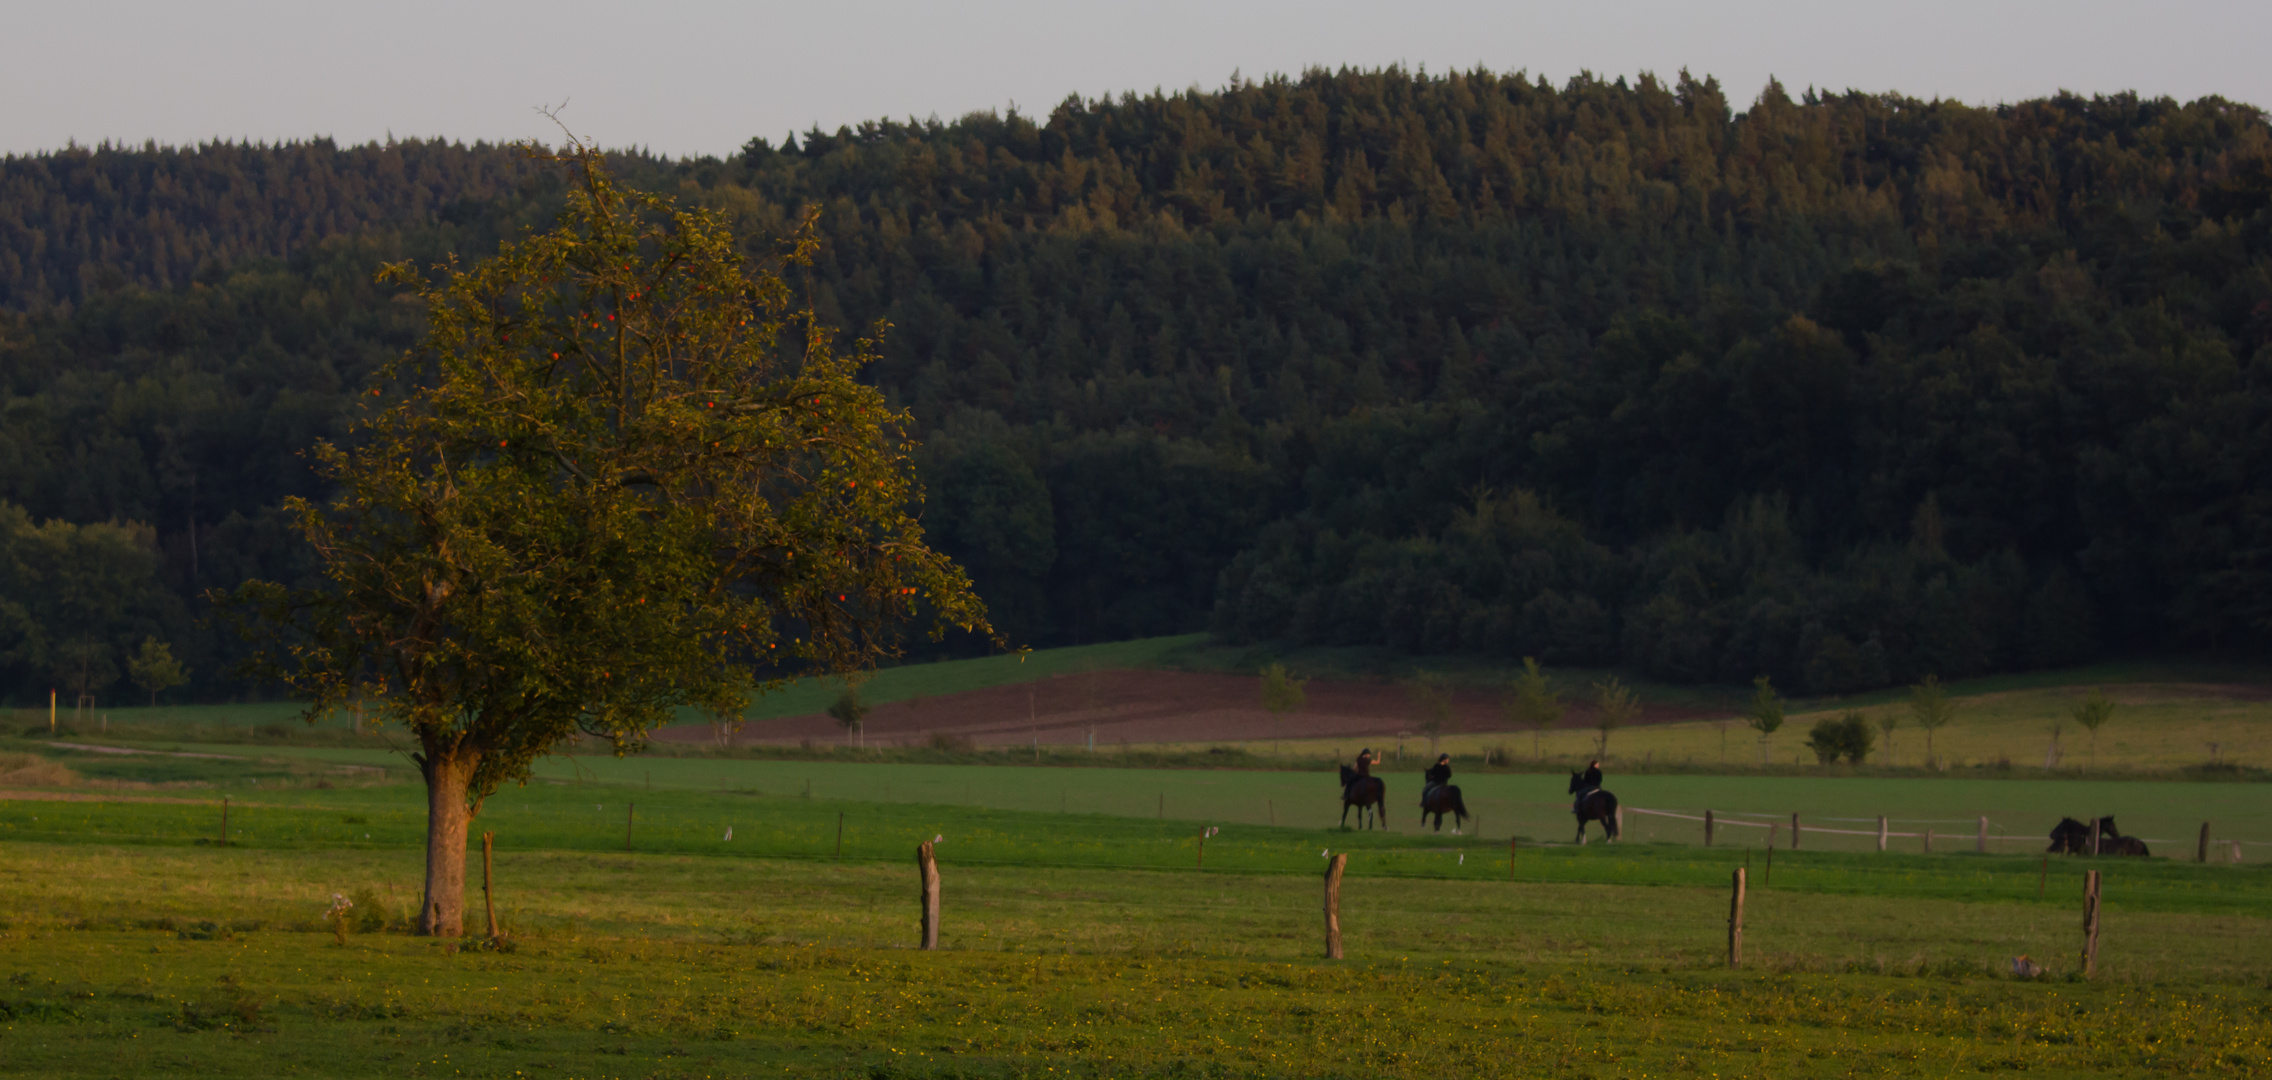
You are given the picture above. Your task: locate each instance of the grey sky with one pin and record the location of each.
(702, 77)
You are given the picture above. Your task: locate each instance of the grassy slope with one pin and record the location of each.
(682, 966)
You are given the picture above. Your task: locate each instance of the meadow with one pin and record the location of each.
(704, 914)
(1076, 945)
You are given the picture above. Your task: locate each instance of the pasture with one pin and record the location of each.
(1087, 933)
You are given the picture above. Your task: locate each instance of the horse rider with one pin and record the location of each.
(1365, 759)
(1587, 784)
(1437, 776)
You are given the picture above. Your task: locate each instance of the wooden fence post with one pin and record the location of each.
(1511, 842)
(488, 853)
(1928, 839)
(630, 813)
(1794, 832)
(2094, 834)
(1735, 922)
(1881, 832)
(2044, 876)
(2204, 856)
(928, 866)
(1620, 824)
(2090, 923)
(840, 834)
(1201, 862)
(1980, 840)
(1333, 870)
(1768, 878)
(1707, 828)
(224, 821)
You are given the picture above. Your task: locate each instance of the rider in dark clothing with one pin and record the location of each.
(1364, 769)
(1438, 774)
(1587, 784)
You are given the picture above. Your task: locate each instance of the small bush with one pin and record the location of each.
(31, 770)
(952, 744)
(1850, 736)
(371, 913)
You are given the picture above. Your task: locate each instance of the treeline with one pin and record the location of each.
(1844, 390)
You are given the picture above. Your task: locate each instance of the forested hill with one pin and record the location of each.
(1844, 390)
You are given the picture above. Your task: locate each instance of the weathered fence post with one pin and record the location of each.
(1768, 878)
(1980, 840)
(1735, 922)
(1881, 832)
(928, 867)
(1201, 863)
(1928, 839)
(2043, 877)
(1512, 841)
(1620, 824)
(1707, 828)
(1333, 906)
(630, 814)
(488, 852)
(2204, 856)
(2090, 923)
(1794, 832)
(840, 834)
(2094, 834)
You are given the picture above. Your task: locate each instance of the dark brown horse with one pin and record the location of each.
(1364, 793)
(1595, 805)
(2112, 842)
(1441, 799)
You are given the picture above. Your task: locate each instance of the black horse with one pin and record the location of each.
(1597, 805)
(2070, 837)
(1441, 799)
(1362, 792)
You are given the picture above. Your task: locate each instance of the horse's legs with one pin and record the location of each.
(1345, 814)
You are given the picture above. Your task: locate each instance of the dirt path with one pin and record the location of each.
(1147, 707)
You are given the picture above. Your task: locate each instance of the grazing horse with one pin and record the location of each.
(1596, 805)
(2112, 842)
(1441, 799)
(2070, 837)
(1363, 792)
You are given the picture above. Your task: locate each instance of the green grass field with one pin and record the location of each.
(1087, 932)
(1084, 944)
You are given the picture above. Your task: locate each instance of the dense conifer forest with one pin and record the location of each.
(1845, 390)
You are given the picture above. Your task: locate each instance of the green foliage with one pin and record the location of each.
(1614, 707)
(1281, 691)
(155, 670)
(1848, 736)
(1431, 696)
(1767, 711)
(848, 710)
(1533, 703)
(1930, 707)
(621, 476)
(2092, 713)
(1308, 359)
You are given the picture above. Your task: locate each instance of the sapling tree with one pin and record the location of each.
(851, 713)
(1766, 715)
(155, 670)
(1533, 704)
(1281, 694)
(2092, 713)
(1930, 706)
(622, 473)
(1431, 694)
(1614, 707)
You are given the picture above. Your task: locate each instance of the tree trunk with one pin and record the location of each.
(448, 773)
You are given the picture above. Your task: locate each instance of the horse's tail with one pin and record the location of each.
(1609, 814)
(1459, 805)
